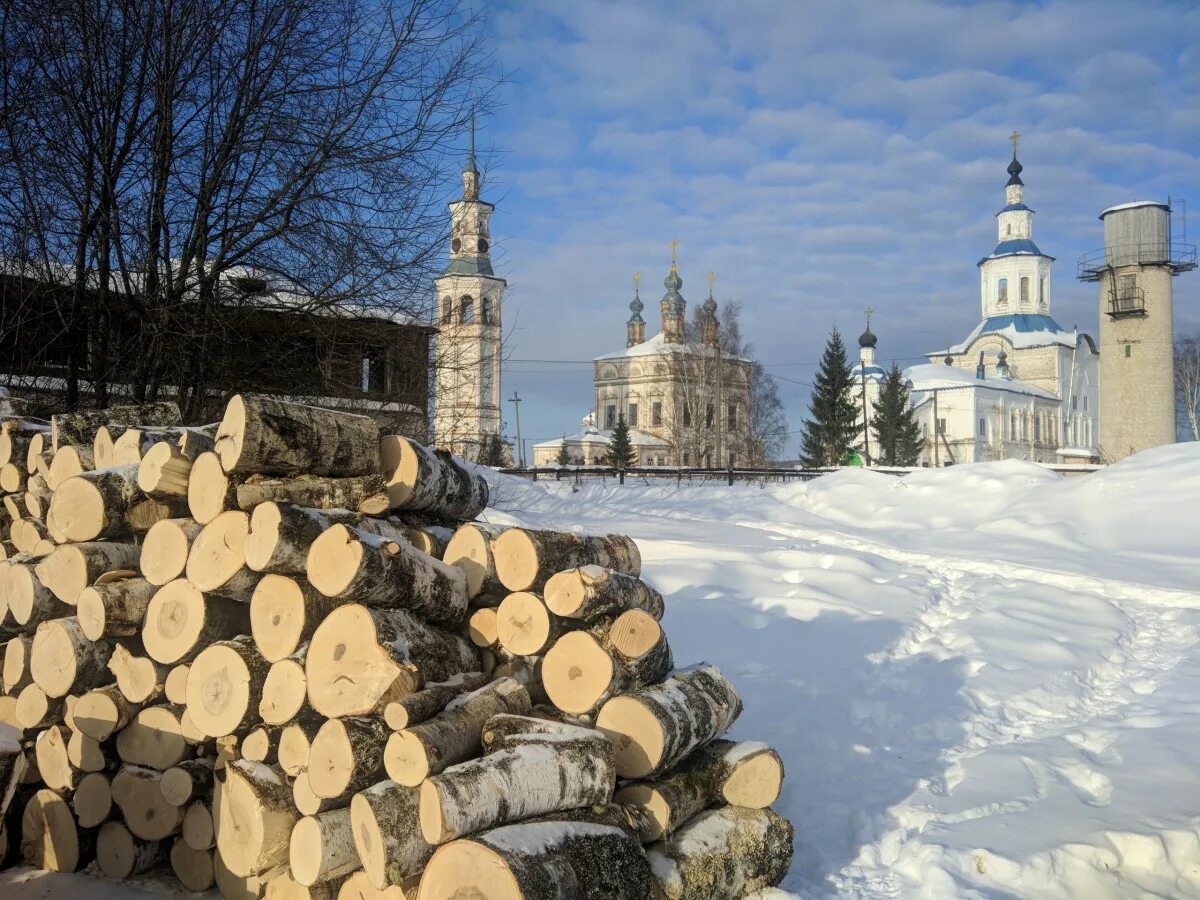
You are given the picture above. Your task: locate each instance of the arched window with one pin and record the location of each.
(1024, 292)
(446, 309)
(1044, 295)
(485, 312)
(466, 310)
(1002, 291)
(1009, 228)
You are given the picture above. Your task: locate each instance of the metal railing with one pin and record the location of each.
(1127, 302)
(1179, 256)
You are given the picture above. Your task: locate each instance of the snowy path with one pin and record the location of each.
(996, 701)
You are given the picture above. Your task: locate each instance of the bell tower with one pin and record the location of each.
(469, 304)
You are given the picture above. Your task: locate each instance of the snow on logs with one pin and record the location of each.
(290, 692)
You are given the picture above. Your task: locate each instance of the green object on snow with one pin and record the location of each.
(851, 458)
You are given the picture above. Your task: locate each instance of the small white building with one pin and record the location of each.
(590, 448)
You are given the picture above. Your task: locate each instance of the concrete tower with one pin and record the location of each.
(470, 298)
(1137, 376)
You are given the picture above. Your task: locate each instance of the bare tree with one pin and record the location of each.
(172, 171)
(1187, 382)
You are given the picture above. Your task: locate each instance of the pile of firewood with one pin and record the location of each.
(278, 655)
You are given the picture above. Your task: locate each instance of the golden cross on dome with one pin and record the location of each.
(711, 278)
(869, 313)
(637, 276)
(1014, 137)
(674, 244)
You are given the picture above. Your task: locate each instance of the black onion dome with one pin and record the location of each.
(868, 339)
(1014, 171)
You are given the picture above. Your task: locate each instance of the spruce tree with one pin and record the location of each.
(620, 451)
(832, 426)
(564, 457)
(899, 434)
(491, 452)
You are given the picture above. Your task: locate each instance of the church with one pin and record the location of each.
(685, 399)
(1019, 386)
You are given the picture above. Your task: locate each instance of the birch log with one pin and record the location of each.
(526, 559)
(727, 852)
(120, 855)
(163, 472)
(67, 463)
(433, 746)
(217, 560)
(193, 868)
(165, 549)
(295, 743)
(430, 700)
(72, 567)
(387, 833)
(361, 659)
(470, 549)
(51, 839)
(347, 755)
(225, 684)
(524, 627)
(284, 613)
(589, 593)
(253, 817)
(198, 830)
(30, 603)
(154, 738)
(425, 480)
(655, 727)
(541, 861)
(181, 621)
(114, 608)
(95, 504)
(136, 790)
(102, 711)
(530, 777)
(365, 494)
(139, 677)
(286, 689)
(746, 773)
(188, 781)
(585, 668)
(62, 659)
(16, 664)
(92, 802)
(80, 427)
(15, 435)
(281, 533)
(321, 847)
(352, 565)
(211, 490)
(196, 440)
(261, 435)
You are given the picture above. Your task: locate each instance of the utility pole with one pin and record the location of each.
(936, 431)
(515, 400)
(862, 370)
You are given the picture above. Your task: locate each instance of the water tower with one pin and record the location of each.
(1137, 375)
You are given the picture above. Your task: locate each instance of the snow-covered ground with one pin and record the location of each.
(984, 680)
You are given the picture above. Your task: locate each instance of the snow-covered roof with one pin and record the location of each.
(604, 438)
(1014, 247)
(1022, 330)
(934, 376)
(873, 371)
(657, 346)
(1134, 204)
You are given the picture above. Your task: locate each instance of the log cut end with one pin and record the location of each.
(470, 548)
(636, 733)
(402, 466)
(577, 672)
(77, 510)
(165, 549)
(524, 626)
(219, 551)
(333, 560)
(208, 488)
(469, 870)
(218, 690)
(49, 835)
(174, 620)
(516, 559)
(231, 434)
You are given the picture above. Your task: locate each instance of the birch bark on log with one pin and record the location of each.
(284, 613)
(120, 855)
(655, 727)
(163, 472)
(352, 565)
(281, 533)
(433, 746)
(385, 821)
(747, 774)
(114, 608)
(95, 504)
(541, 861)
(365, 494)
(426, 480)
(51, 839)
(361, 659)
(253, 817)
(727, 852)
(165, 549)
(80, 427)
(526, 558)
(195, 440)
(62, 659)
(15, 435)
(322, 847)
(72, 567)
(430, 700)
(590, 593)
(225, 686)
(188, 781)
(181, 621)
(211, 490)
(30, 603)
(530, 777)
(585, 668)
(347, 756)
(272, 437)
(470, 549)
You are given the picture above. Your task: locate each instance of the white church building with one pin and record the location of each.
(1019, 386)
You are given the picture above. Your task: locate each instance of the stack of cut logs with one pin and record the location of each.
(278, 655)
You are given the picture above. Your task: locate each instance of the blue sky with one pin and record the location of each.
(819, 157)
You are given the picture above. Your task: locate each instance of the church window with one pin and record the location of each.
(941, 426)
(1009, 228)
(1024, 291)
(708, 459)
(456, 245)
(1074, 403)
(485, 311)
(632, 418)
(1037, 428)
(1012, 425)
(610, 417)
(1085, 402)
(709, 416)
(1002, 291)
(446, 308)
(483, 245)
(732, 420)
(1128, 351)
(656, 413)
(687, 458)
(466, 310)
(983, 428)
(687, 416)
(1044, 295)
